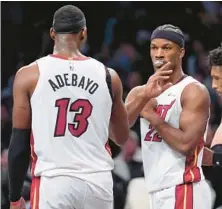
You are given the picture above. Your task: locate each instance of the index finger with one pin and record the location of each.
(165, 67)
(162, 73)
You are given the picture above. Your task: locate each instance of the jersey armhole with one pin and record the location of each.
(109, 82)
(180, 103)
(35, 91)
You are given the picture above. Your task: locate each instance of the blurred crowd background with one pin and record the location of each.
(119, 36)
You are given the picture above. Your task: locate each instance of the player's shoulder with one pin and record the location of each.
(115, 80)
(95, 62)
(112, 72)
(196, 86)
(195, 91)
(26, 75)
(27, 69)
(33, 67)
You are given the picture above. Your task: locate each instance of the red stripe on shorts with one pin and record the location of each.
(184, 196)
(34, 194)
(192, 171)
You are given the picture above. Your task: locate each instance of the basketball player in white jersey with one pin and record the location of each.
(68, 103)
(213, 156)
(173, 129)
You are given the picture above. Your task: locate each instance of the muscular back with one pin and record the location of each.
(70, 106)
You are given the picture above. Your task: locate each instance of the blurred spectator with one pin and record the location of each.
(124, 57)
(137, 195)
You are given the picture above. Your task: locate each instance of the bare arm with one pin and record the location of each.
(193, 120)
(19, 149)
(140, 95)
(24, 84)
(21, 108)
(119, 125)
(218, 136)
(134, 103)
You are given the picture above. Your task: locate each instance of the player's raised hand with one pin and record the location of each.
(157, 83)
(20, 204)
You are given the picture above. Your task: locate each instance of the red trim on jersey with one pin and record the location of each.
(16, 203)
(34, 194)
(107, 147)
(33, 155)
(70, 58)
(192, 171)
(184, 76)
(184, 196)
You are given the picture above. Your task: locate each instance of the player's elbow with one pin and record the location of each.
(186, 150)
(121, 140)
(121, 134)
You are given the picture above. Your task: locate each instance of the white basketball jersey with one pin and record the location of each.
(163, 166)
(71, 108)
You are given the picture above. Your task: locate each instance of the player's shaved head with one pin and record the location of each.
(68, 28)
(68, 20)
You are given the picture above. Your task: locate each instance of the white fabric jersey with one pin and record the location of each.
(71, 108)
(163, 166)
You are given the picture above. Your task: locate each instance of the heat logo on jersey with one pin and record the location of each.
(162, 111)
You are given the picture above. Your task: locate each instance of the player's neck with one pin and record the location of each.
(67, 47)
(66, 52)
(176, 76)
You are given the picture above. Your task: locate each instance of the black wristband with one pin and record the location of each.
(217, 156)
(18, 161)
(217, 159)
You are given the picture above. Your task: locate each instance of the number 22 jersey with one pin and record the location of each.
(71, 109)
(163, 166)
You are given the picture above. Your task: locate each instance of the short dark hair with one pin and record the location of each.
(68, 19)
(215, 56)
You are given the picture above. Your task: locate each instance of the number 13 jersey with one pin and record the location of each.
(164, 167)
(71, 109)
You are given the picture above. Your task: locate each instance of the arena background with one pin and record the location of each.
(118, 35)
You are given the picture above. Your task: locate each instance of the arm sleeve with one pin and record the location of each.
(18, 161)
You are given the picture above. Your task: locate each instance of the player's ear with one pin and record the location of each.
(52, 33)
(182, 52)
(84, 33)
